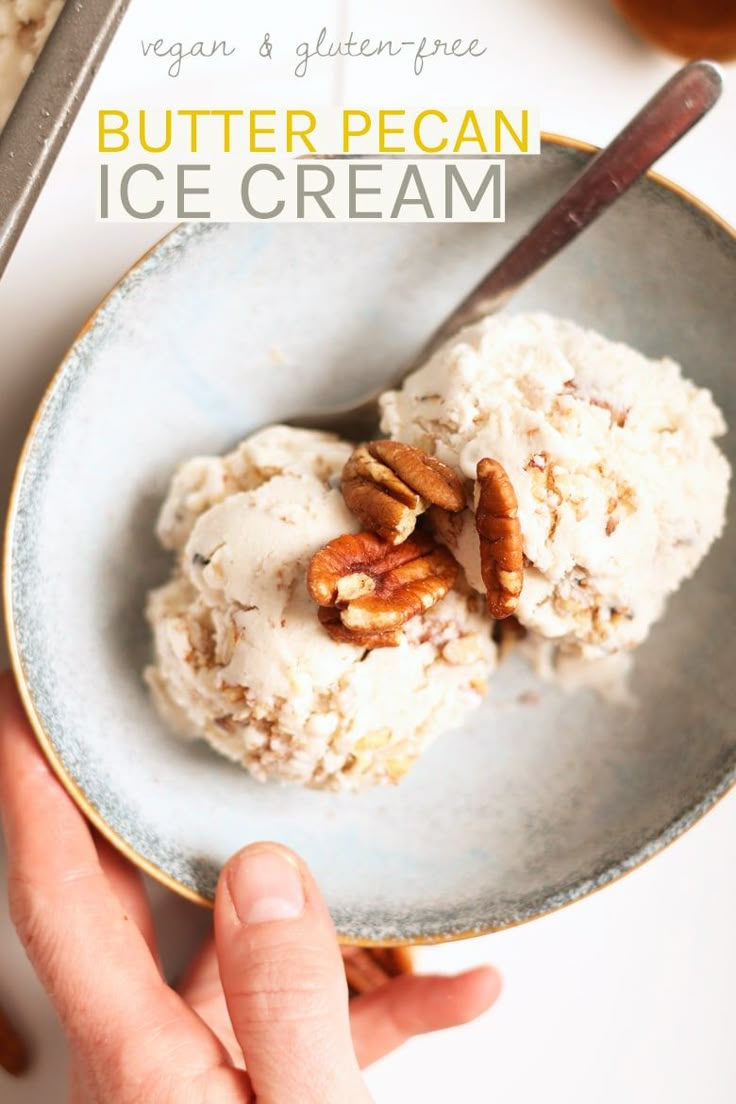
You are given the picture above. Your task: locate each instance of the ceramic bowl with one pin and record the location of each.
(222, 329)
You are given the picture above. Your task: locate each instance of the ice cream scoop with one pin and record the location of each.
(620, 484)
(241, 658)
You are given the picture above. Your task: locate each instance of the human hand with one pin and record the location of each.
(267, 992)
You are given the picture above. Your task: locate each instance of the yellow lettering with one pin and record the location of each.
(145, 144)
(105, 129)
(226, 117)
(193, 134)
(383, 130)
(293, 131)
(256, 131)
(521, 142)
(470, 124)
(418, 140)
(347, 130)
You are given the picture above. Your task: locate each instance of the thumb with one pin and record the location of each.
(284, 981)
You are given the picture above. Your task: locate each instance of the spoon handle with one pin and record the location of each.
(671, 112)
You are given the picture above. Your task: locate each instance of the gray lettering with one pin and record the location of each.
(354, 191)
(412, 174)
(104, 186)
(125, 192)
(245, 192)
(303, 192)
(453, 176)
(182, 191)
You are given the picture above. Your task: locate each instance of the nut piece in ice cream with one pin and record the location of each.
(387, 484)
(376, 586)
(501, 552)
(329, 618)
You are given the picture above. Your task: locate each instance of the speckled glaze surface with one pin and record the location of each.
(222, 329)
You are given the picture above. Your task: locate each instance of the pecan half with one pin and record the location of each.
(329, 618)
(377, 587)
(387, 484)
(501, 551)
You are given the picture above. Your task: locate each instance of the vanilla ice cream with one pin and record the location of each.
(240, 657)
(24, 27)
(620, 485)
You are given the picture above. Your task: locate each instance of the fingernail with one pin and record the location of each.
(265, 885)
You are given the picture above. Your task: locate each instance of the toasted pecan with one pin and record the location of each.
(501, 549)
(388, 484)
(376, 586)
(329, 618)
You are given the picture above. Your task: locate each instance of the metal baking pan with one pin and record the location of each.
(47, 106)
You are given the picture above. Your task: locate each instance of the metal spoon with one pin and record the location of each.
(670, 114)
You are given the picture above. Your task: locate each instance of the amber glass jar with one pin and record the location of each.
(690, 28)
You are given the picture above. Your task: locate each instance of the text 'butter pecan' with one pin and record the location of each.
(501, 549)
(387, 484)
(375, 587)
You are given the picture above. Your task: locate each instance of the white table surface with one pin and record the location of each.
(627, 996)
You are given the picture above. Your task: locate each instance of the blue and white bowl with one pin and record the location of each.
(222, 329)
